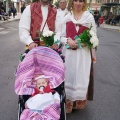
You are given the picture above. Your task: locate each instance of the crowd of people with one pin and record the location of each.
(107, 18)
(4, 14)
(113, 19)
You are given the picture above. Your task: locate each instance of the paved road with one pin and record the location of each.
(10, 48)
(106, 104)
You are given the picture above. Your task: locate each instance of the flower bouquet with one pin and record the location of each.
(88, 37)
(48, 38)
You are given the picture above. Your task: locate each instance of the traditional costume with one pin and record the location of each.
(61, 14)
(38, 18)
(78, 62)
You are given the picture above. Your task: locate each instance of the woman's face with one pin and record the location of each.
(78, 5)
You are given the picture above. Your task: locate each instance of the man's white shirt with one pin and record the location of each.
(60, 15)
(25, 23)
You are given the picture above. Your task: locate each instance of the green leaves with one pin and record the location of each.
(85, 37)
(49, 41)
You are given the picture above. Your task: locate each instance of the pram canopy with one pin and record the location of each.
(40, 60)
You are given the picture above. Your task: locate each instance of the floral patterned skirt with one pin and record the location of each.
(78, 104)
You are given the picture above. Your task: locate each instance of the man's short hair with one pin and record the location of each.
(60, 0)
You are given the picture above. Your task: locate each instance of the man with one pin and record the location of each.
(61, 12)
(22, 8)
(62, 4)
(14, 11)
(38, 17)
(96, 17)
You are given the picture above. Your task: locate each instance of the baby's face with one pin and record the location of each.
(41, 82)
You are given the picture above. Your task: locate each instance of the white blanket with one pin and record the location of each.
(41, 101)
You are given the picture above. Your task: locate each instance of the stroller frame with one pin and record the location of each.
(60, 89)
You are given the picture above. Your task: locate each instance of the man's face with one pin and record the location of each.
(62, 4)
(45, 1)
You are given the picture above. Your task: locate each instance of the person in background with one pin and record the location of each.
(14, 11)
(105, 13)
(62, 8)
(3, 12)
(110, 17)
(22, 8)
(78, 61)
(61, 12)
(9, 11)
(115, 20)
(3, 8)
(38, 16)
(96, 17)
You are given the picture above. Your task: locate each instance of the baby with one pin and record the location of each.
(43, 95)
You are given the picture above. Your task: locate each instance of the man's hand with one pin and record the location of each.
(54, 46)
(32, 45)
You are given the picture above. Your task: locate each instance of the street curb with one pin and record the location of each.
(100, 26)
(111, 29)
(9, 21)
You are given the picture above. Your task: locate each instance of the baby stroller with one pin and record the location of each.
(37, 61)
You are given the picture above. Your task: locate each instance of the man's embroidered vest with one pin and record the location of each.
(36, 20)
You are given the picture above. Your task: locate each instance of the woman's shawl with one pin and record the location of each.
(40, 60)
(86, 20)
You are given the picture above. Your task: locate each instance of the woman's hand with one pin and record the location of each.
(32, 45)
(72, 43)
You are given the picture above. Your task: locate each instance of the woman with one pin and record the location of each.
(78, 79)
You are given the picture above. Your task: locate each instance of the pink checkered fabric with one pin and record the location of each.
(40, 60)
(52, 112)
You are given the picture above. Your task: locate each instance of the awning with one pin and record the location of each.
(94, 8)
(112, 4)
